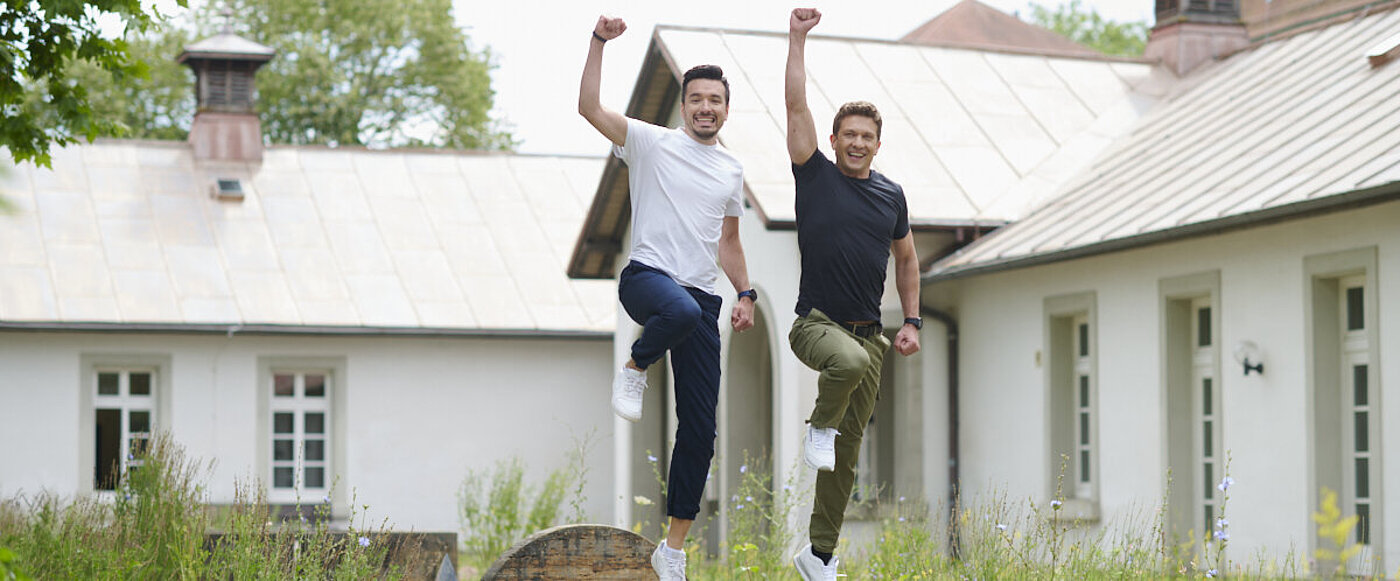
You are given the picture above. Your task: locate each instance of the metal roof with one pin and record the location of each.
(975, 136)
(127, 232)
(1292, 127)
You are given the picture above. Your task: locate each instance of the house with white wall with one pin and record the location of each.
(322, 323)
(1154, 224)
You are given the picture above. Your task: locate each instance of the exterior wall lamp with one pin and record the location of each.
(1247, 352)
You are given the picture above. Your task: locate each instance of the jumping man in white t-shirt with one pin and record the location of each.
(686, 201)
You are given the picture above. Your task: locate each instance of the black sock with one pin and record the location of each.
(825, 557)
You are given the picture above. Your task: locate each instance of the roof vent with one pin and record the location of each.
(1384, 52)
(228, 189)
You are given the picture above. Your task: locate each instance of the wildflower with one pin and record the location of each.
(748, 498)
(901, 499)
(1056, 504)
(740, 507)
(1001, 527)
(1211, 573)
(901, 519)
(1225, 483)
(651, 458)
(787, 487)
(364, 541)
(735, 499)
(744, 468)
(1222, 535)
(1221, 523)
(642, 500)
(326, 499)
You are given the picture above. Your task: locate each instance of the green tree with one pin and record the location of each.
(41, 105)
(369, 72)
(1086, 27)
(157, 105)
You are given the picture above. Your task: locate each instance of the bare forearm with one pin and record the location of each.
(795, 76)
(906, 280)
(731, 260)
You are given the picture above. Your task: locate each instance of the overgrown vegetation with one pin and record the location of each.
(156, 526)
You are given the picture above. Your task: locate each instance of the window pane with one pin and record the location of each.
(1083, 340)
(1209, 471)
(1363, 478)
(1359, 384)
(107, 384)
(1083, 391)
(315, 423)
(140, 384)
(282, 385)
(1084, 428)
(315, 386)
(315, 450)
(1208, 439)
(1210, 518)
(1203, 327)
(1363, 442)
(1356, 308)
(282, 477)
(139, 421)
(1207, 402)
(107, 468)
(1083, 465)
(282, 450)
(138, 448)
(1363, 525)
(282, 423)
(315, 477)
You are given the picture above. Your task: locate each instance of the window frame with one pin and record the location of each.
(335, 406)
(90, 365)
(1062, 316)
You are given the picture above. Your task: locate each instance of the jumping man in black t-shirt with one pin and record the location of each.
(849, 220)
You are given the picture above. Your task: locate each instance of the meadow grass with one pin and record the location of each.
(157, 525)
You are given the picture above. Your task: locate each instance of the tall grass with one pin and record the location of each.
(156, 526)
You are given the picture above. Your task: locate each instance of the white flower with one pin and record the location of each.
(1225, 483)
(735, 499)
(642, 500)
(748, 498)
(744, 468)
(1055, 504)
(1001, 527)
(901, 499)
(651, 458)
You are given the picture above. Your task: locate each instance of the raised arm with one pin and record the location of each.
(906, 281)
(608, 122)
(801, 131)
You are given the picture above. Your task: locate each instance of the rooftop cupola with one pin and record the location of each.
(1190, 32)
(226, 125)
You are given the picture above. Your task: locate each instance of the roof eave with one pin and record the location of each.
(1355, 199)
(231, 329)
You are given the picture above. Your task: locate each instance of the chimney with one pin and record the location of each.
(1190, 32)
(226, 125)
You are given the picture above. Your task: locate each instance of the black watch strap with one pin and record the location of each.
(917, 322)
(752, 294)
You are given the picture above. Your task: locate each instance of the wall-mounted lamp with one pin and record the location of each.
(1247, 354)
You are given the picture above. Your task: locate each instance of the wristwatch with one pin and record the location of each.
(917, 322)
(752, 294)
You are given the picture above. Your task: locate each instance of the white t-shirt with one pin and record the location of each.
(681, 192)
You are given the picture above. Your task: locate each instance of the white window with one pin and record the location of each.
(1206, 414)
(124, 415)
(300, 406)
(1360, 421)
(1072, 377)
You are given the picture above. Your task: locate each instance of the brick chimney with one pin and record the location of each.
(1191, 32)
(226, 125)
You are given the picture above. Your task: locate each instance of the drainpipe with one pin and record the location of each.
(952, 325)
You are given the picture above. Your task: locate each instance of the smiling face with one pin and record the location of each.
(855, 143)
(704, 109)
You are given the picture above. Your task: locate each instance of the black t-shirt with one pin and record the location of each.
(845, 227)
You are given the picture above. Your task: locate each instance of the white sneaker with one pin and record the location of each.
(811, 568)
(628, 386)
(670, 564)
(821, 448)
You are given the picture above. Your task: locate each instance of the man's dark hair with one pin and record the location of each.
(862, 108)
(712, 72)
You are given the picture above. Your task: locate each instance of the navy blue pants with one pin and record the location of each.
(684, 321)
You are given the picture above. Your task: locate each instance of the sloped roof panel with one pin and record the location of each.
(1295, 120)
(972, 135)
(127, 232)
